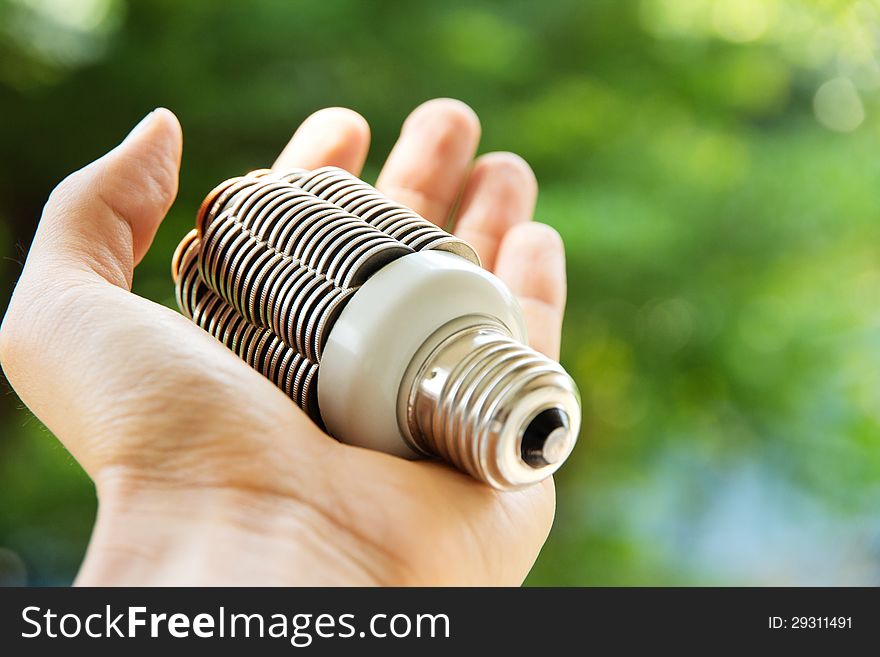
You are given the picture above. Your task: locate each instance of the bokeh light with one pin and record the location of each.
(838, 105)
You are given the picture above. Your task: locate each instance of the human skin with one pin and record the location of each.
(205, 472)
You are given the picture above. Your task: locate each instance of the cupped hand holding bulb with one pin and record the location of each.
(205, 472)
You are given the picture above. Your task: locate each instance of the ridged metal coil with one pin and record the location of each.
(268, 288)
(398, 221)
(260, 348)
(315, 233)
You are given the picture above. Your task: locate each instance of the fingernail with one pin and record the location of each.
(142, 124)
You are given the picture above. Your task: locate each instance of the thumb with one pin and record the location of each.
(102, 219)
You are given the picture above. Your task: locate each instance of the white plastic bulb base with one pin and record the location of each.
(429, 358)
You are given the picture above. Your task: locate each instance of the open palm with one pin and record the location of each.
(205, 472)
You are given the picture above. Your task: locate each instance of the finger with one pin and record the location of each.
(429, 163)
(500, 193)
(531, 260)
(335, 136)
(103, 217)
(119, 379)
(96, 225)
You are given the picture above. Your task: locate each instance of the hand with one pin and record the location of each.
(205, 472)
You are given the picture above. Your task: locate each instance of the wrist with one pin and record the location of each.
(161, 533)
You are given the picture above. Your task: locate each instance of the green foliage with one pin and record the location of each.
(719, 215)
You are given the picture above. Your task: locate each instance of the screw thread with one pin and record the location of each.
(476, 396)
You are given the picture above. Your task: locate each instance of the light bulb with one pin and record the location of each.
(381, 326)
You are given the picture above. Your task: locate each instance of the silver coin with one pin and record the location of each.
(242, 254)
(232, 253)
(360, 204)
(286, 374)
(240, 204)
(209, 244)
(289, 358)
(315, 181)
(277, 222)
(187, 277)
(399, 225)
(265, 361)
(312, 320)
(297, 375)
(328, 318)
(259, 289)
(364, 201)
(226, 197)
(282, 297)
(215, 245)
(260, 203)
(278, 277)
(311, 241)
(339, 260)
(234, 338)
(213, 203)
(278, 227)
(419, 235)
(288, 222)
(307, 222)
(222, 321)
(338, 191)
(309, 396)
(274, 362)
(257, 347)
(302, 306)
(370, 259)
(210, 312)
(341, 243)
(232, 323)
(290, 303)
(254, 272)
(257, 216)
(292, 175)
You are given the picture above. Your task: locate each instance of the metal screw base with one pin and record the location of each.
(493, 407)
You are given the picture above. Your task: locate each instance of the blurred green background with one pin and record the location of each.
(714, 168)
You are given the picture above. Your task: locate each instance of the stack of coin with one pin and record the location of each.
(319, 235)
(398, 221)
(260, 348)
(276, 256)
(268, 288)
